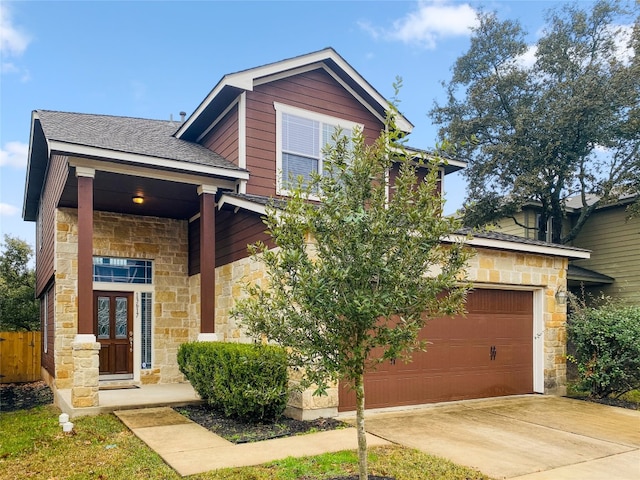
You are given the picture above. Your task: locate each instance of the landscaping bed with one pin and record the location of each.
(21, 396)
(237, 431)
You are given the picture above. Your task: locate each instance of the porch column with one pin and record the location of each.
(85, 250)
(207, 263)
(86, 350)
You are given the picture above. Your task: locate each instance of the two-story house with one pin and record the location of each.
(143, 227)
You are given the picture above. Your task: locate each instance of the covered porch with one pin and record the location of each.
(142, 396)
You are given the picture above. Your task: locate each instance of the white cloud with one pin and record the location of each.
(13, 41)
(528, 58)
(14, 154)
(7, 210)
(432, 21)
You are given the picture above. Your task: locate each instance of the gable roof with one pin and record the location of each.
(125, 139)
(233, 84)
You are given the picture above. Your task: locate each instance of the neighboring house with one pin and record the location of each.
(612, 236)
(143, 226)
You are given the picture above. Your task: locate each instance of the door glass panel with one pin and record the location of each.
(121, 317)
(103, 318)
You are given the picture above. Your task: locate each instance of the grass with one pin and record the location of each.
(32, 445)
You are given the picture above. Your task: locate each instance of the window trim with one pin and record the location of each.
(281, 109)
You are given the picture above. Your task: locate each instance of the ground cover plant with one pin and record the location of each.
(32, 445)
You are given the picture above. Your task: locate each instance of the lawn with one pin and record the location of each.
(32, 445)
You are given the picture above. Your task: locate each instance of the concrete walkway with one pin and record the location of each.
(189, 448)
(529, 437)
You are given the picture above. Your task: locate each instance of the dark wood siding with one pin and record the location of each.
(459, 363)
(315, 91)
(48, 356)
(223, 138)
(45, 245)
(234, 232)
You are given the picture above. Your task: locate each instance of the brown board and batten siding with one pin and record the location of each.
(315, 91)
(223, 138)
(234, 232)
(45, 248)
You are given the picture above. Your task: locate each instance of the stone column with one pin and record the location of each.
(86, 365)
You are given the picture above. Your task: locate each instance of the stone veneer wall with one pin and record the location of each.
(488, 267)
(159, 239)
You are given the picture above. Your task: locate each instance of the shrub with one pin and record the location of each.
(607, 348)
(240, 380)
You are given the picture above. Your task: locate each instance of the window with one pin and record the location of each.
(122, 270)
(301, 138)
(146, 306)
(44, 306)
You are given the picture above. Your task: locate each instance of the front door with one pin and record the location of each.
(113, 322)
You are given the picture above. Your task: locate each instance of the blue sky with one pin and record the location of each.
(154, 59)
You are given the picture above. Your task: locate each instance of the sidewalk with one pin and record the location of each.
(189, 448)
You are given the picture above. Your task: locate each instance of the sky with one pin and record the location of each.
(153, 59)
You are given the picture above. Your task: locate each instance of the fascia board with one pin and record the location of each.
(146, 172)
(572, 253)
(82, 150)
(242, 203)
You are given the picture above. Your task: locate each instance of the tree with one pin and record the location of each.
(356, 276)
(566, 126)
(19, 309)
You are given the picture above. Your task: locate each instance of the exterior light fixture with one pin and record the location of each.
(561, 296)
(137, 199)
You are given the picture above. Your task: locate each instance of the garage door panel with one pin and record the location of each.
(458, 363)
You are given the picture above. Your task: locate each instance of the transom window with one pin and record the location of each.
(122, 270)
(301, 138)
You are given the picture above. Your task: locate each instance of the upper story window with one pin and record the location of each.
(122, 270)
(301, 137)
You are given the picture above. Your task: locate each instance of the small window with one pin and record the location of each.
(146, 306)
(122, 270)
(44, 307)
(301, 139)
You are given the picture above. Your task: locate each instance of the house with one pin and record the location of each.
(143, 225)
(612, 236)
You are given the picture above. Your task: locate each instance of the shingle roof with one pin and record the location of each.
(129, 135)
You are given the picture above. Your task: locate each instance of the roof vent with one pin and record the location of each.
(182, 116)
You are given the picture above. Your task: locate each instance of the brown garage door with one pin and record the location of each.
(487, 353)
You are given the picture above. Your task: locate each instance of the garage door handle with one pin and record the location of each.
(492, 352)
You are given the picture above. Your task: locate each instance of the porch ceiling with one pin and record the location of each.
(113, 192)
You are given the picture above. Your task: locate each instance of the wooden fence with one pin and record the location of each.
(19, 356)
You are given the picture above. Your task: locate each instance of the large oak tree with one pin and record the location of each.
(565, 126)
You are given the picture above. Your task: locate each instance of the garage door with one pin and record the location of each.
(487, 353)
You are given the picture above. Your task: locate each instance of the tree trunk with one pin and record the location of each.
(362, 434)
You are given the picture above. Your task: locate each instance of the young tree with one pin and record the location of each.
(356, 276)
(564, 126)
(19, 309)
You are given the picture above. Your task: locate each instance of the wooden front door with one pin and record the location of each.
(113, 323)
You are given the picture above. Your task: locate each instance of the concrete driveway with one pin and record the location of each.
(529, 437)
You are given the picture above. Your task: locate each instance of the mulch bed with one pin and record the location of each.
(20, 396)
(612, 402)
(237, 431)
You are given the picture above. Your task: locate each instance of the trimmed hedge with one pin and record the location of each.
(241, 380)
(607, 348)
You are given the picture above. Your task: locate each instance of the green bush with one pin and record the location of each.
(241, 380)
(607, 348)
